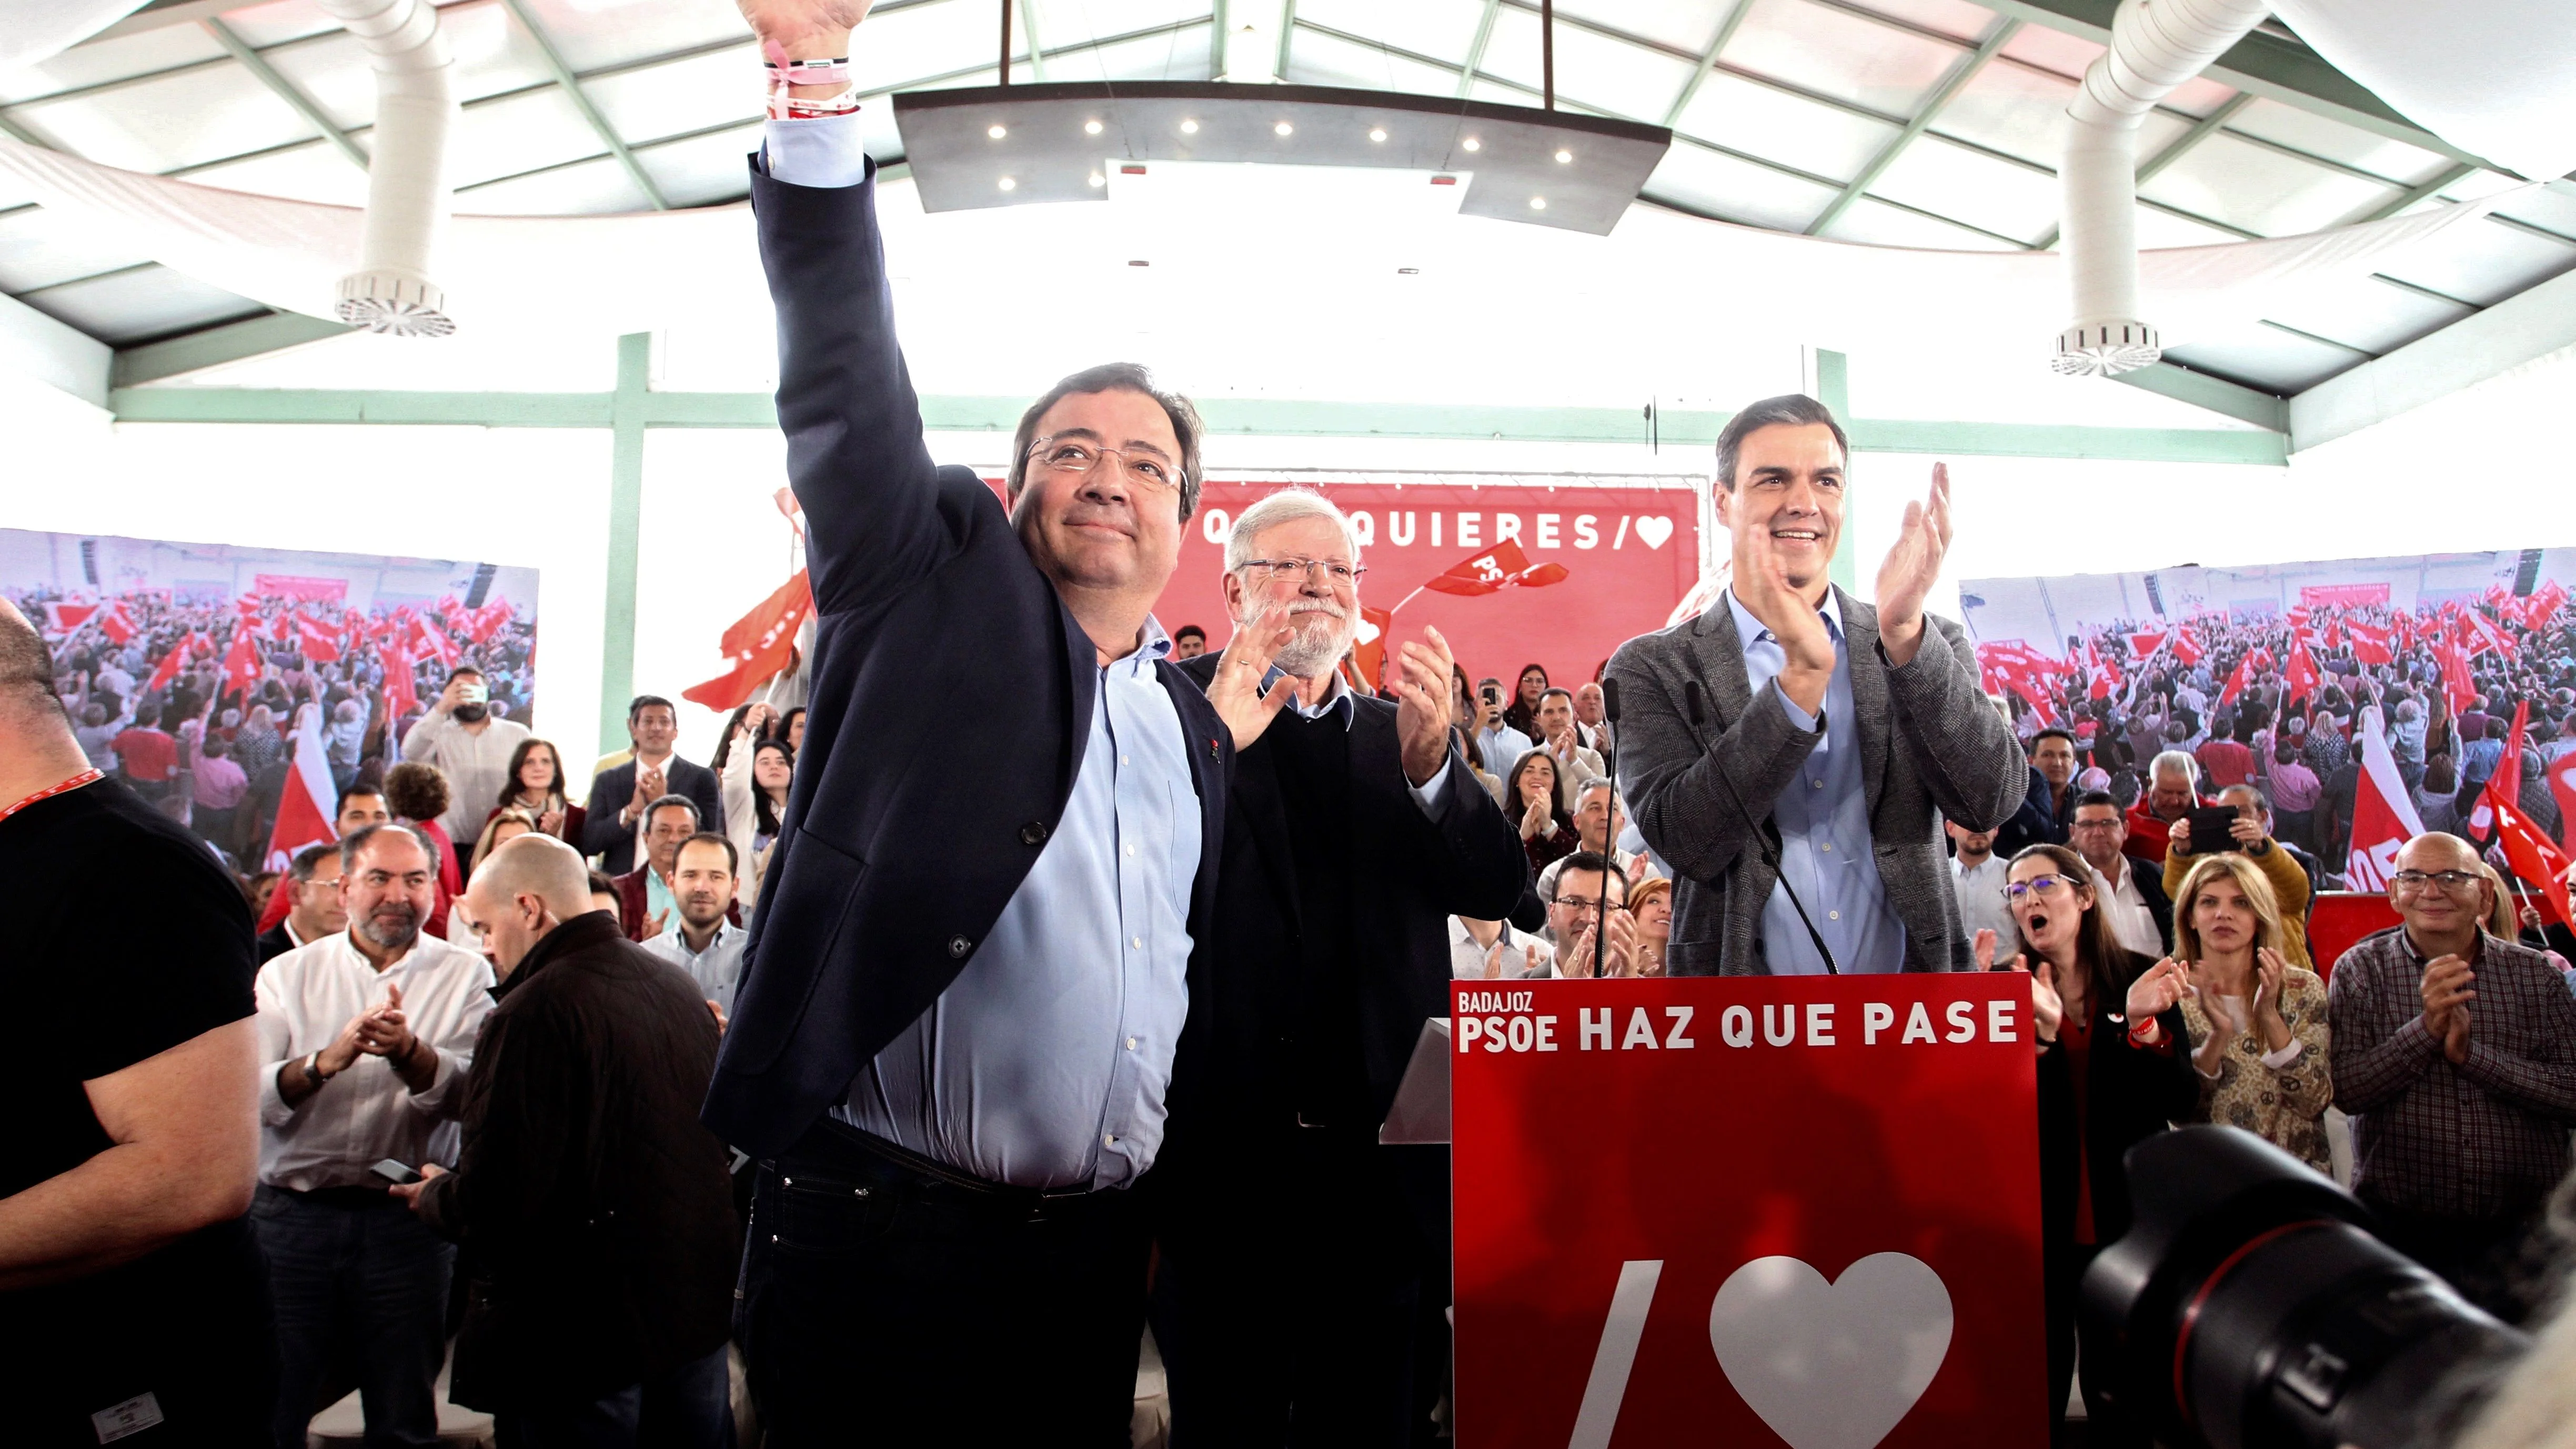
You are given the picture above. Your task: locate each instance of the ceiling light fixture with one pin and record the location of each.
(1472, 144)
(1282, 129)
(1099, 180)
(1378, 135)
(1408, 271)
(1140, 264)
(1092, 128)
(1009, 185)
(996, 132)
(1564, 158)
(1538, 203)
(1189, 128)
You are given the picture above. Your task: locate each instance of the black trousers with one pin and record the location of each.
(882, 1303)
(1297, 1297)
(2064, 1265)
(2481, 1257)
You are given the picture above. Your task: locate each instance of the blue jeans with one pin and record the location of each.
(354, 1275)
(690, 1407)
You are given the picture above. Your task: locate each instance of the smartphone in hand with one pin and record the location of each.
(2211, 827)
(396, 1173)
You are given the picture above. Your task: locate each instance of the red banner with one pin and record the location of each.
(1748, 1211)
(1629, 554)
(296, 586)
(2343, 596)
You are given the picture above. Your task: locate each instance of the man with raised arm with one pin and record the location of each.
(1792, 751)
(979, 934)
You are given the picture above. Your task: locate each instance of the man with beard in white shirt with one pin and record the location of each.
(364, 1038)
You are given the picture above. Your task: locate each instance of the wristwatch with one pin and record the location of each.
(313, 1069)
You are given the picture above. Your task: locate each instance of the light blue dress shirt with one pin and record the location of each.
(1823, 815)
(717, 970)
(1502, 746)
(1045, 1062)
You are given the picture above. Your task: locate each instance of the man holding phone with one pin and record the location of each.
(1499, 744)
(2242, 821)
(470, 747)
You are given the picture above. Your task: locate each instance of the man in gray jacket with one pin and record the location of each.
(1793, 751)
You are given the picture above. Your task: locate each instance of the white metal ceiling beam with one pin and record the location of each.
(570, 85)
(1475, 48)
(2520, 329)
(54, 353)
(1707, 63)
(1924, 115)
(284, 89)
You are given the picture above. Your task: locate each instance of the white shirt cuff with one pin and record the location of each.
(2286, 1055)
(1429, 796)
(824, 151)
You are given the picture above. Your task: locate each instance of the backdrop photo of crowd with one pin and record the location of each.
(200, 673)
(2362, 698)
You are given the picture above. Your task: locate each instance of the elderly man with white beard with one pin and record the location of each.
(1304, 1267)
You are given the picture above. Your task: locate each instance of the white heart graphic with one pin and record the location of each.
(1368, 630)
(1654, 528)
(1831, 1366)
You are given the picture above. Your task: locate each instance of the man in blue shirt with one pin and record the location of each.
(980, 935)
(1793, 752)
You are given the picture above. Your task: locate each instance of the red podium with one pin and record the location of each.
(1747, 1211)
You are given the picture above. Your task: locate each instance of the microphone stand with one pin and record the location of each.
(1762, 843)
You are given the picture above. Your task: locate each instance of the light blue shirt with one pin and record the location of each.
(1823, 815)
(1502, 746)
(1045, 1062)
(716, 970)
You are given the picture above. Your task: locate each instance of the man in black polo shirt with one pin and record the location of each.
(132, 1305)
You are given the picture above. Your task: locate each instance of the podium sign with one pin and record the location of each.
(1747, 1211)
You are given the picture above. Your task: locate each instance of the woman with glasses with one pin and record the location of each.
(2257, 1023)
(1522, 713)
(2113, 1071)
(1530, 797)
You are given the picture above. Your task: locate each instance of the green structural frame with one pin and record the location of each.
(635, 406)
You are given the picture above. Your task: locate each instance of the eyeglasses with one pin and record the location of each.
(2097, 824)
(1341, 575)
(2450, 882)
(2042, 885)
(1074, 455)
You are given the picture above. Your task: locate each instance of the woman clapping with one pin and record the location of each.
(2258, 1024)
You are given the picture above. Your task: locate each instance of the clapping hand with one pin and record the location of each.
(1236, 689)
(1763, 588)
(1912, 566)
(1539, 816)
(386, 1031)
(2448, 988)
(2157, 990)
(2047, 1008)
(1421, 687)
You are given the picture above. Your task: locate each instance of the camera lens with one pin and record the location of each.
(2249, 1307)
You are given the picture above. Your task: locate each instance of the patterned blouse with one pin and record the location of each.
(2284, 1105)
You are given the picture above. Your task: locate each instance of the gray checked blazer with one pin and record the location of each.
(1930, 745)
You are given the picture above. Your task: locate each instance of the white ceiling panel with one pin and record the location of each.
(494, 54)
(1878, 224)
(333, 73)
(2266, 357)
(2542, 206)
(2370, 315)
(2260, 190)
(1957, 182)
(1841, 55)
(2482, 262)
(591, 34)
(703, 170)
(1326, 60)
(1743, 116)
(1610, 75)
(926, 40)
(686, 95)
(1720, 185)
(308, 173)
(2068, 56)
(1682, 24)
(2334, 141)
(117, 59)
(164, 124)
(138, 306)
(2157, 230)
(1441, 29)
(590, 187)
(260, 26)
(520, 134)
(2017, 111)
(1073, 22)
(1954, 18)
(39, 249)
(1174, 55)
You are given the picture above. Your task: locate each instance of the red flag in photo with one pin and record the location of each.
(2106, 675)
(62, 618)
(318, 643)
(2543, 605)
(2481, 634)
(2533, 856)
(241, 664)
(2186, 648)
(2458, 687)
(758, 646)
(168, 670)
(116, 624)
(2383, 813)
(1494, 570)
(2142, 645)
(435, 644)
(2237, 681)
(2561, 774)
(305, 809)
(402, 693)
(2369, 645)
(2300, 680)
(1368, 645)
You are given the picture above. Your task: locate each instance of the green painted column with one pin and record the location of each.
(1833, 389)
(627, 412)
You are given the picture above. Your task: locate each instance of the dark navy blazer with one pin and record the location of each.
(951, 698)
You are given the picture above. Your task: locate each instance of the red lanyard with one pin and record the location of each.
(50, 791)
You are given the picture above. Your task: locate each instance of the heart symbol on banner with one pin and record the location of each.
(1368, 630)
(1831, 1366)
(1654, 528)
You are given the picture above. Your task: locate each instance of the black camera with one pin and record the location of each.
(2251, 1307)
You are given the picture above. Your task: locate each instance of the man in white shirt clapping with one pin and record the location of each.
(364, 1038)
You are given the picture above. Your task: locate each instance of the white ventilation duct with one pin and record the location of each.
(407, 187)
(2156, 45)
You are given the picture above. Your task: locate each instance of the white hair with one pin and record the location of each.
(2173, 762)
(1281, 507)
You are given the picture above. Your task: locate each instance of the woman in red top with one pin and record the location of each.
(2110, 1075)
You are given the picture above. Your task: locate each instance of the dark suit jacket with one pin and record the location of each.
(599, 1209)
(1235, 1074)
(612, 790)
(964, 683)
(274, 942)
(2040, 820)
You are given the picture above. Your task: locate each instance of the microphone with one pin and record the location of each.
(1762, 843)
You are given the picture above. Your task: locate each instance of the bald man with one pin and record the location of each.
(600, 1209)
(2455, 1053)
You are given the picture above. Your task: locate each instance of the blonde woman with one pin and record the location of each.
(1651, 902)
(507, 823)
(2258, 1023)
